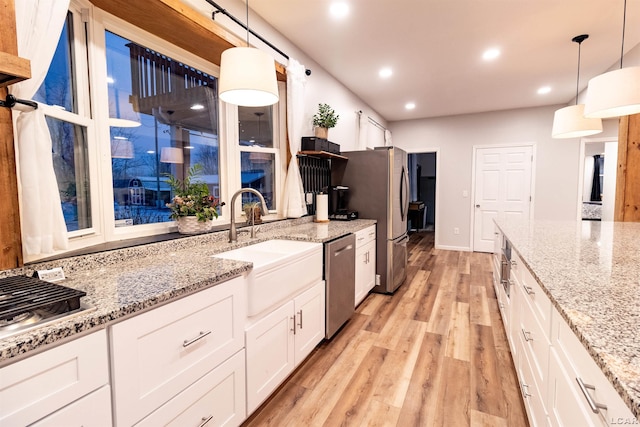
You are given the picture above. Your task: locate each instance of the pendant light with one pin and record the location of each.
(569, 122)
(616, 93)
(247, 76)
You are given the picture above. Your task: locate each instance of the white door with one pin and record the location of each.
(502, 190)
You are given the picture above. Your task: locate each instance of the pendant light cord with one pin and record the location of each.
(624, 23)
(248, 23)
(579, 39)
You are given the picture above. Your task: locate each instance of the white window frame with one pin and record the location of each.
(92, 99)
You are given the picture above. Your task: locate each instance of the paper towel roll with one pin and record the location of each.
(322, 207)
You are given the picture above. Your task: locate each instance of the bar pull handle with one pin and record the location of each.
(205, 421)
(293, 319)
(529, 290)
(526, 335)
(187, 343)
(595, 406)
(346, 248)
(525, 390)
(300, 323)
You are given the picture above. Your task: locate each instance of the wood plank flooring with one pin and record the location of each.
(433, 354)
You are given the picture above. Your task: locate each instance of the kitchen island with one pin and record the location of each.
(125, 282)
(590, 271)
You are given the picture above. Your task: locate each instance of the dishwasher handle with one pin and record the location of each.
(343, 249)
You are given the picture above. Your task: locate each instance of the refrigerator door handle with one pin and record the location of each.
(404, 193)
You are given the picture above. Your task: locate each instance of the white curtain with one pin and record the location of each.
(39, 25)
(294, 203)
(388, 142)
(363, 125)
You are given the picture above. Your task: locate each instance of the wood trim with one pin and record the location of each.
(10, 239)
(179, 24)
(12, 68)
(623, 131)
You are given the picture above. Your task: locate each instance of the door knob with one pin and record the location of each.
(477, 206)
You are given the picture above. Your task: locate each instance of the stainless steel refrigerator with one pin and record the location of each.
(378, 184)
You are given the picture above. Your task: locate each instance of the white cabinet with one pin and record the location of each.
(365, 262)
(158, 354)
(217, 399)
(54, 381)
(93, 410)
(279, 341)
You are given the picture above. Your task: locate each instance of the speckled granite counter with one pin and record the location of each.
(123, 282)
(591, 272)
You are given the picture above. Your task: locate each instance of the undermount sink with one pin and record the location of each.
(280, 269)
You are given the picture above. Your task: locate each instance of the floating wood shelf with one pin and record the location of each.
(13, 69)
(323, 154)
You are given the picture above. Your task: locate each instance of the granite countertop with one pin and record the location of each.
(127, 281)
(591, 272)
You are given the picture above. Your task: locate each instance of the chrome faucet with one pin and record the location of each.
(233, 234)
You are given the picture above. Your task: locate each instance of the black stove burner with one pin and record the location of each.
(26, 300)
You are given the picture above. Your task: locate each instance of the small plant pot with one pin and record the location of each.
(321, 132)
(255, 212)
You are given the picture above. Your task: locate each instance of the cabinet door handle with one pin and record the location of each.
(300, 324)
(187, 343)
(529, 290)
(293, 319)
(205, 420)
(525, 390)
(595, 406)
(527, 335)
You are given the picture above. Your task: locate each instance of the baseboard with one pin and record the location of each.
(453, 248)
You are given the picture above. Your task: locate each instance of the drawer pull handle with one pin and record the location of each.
(187, 343)
(293, 318)
(529, 290)
(595, 406)
(300, 324)
(514, 263)
(205, 420)
(525, 390)
(526, 335)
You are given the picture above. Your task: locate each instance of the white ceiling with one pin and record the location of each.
(434, 48)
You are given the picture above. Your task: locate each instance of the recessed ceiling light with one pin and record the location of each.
(385, 72)
(197, 107)
(410, 105)
(544, 90)
(491, 54)
(339, 9)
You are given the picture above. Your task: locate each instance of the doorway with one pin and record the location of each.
(422, 184)
(597, 182)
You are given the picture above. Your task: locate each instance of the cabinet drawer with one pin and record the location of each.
(218, 399)
(40, 385)
(157, 354)
(535, 340)
(579, 364)
(533, 395)
(93, 410)
(365, 236)
(532, 292)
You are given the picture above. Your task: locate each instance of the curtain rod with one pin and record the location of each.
(220, 9)
(372, 120)
(11, 101)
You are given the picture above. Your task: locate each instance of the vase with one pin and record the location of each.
(191, 225)
(321, 132)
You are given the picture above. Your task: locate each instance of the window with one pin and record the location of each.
(163, 118)
(125, 109)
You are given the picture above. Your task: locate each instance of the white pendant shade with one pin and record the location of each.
(614, 94)
(569, 122)
(121, 149)
(171, 155)
(247, 77)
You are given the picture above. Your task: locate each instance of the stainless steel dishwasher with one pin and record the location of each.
(340, 276)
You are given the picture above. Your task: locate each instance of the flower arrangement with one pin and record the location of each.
(191, 197)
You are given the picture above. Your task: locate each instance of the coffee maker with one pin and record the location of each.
(338, 202)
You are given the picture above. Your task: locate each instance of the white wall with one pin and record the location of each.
(321, 87)
(556, 174)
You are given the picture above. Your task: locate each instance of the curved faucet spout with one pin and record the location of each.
(233, 234)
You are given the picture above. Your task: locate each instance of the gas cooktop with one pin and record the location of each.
(26, 302)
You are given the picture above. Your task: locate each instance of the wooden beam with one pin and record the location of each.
(179, 24)
(10, 239)
(627, 204)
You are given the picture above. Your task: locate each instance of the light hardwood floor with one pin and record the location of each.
(433, 354)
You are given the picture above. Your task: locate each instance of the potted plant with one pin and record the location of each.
(323, 120)
(252, 212)
(192, 206)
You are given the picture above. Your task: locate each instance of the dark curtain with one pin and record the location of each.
(596, 191)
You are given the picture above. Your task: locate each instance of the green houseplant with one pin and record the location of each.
(324, 119)
(192, 206)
